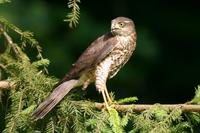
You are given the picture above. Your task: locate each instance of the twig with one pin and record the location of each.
(143, 107)
(9, 40)
(6, 84)
(2, 66)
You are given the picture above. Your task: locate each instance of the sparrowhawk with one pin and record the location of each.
(99, 62)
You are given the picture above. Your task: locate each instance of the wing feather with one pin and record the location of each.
(94, 54)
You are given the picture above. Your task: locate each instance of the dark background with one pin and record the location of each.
(165, 67)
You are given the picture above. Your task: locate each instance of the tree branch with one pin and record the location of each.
(6, 85)
(143, 107)
(2, 66)
(8, 39)
(132, 107)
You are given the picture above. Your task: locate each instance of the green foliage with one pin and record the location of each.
(196, 98)
(50, 128)
(27, 79)
(73, 114)
(74, 15)
(42, 62)
(4, 1)
(127, 100)
(193, 118)
(25, 36)
(158, 120)
(115, 121)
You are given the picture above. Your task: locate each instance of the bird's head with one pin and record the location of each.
(122, 26)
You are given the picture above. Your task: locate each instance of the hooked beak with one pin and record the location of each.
(114, 28)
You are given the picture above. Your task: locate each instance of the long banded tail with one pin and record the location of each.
(55, 97)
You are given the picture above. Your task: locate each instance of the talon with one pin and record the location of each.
(110, 102)
(106, 105)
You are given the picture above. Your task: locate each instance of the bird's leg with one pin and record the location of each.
(105, 99)
(102, 89)
(108, 96)
(101, 73)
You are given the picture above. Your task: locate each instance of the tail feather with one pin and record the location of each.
(55, 97)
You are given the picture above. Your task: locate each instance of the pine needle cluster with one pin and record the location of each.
(196, 99)
(74, 15)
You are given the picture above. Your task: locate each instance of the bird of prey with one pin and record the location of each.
(98, 63)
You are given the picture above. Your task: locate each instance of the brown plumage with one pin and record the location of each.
(99, 62)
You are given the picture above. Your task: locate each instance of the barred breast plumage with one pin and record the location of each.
(121, 53)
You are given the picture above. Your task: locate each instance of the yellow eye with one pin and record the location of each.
(121, 24)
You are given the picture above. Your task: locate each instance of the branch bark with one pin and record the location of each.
(143, 107)
(6, 84)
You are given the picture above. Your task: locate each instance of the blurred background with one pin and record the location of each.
(165, 67)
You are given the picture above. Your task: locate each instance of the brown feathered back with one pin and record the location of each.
(96, 52)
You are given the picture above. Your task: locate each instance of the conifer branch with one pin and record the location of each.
(132, 107)
(26, 36)
(8, 39)
(143, 107)
(74, 15)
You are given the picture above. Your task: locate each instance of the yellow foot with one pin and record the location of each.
(106, 106)
(108, 97)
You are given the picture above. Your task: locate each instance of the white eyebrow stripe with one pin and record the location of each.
(126, 21)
